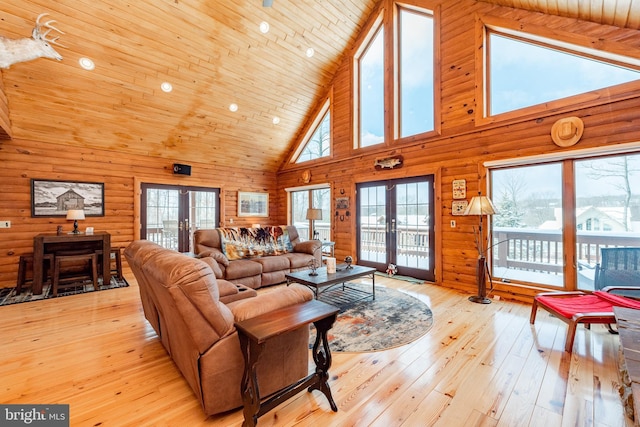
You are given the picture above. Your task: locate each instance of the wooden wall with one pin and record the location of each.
(22, 160)
(5, 123)
(462, 146)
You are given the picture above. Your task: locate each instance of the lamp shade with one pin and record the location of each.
(480, 205)
(75, 214)
(314, 214)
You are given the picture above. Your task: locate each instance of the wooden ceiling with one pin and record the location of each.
(213, 54)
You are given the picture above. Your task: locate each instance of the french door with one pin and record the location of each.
(171, 213)
(395, 226)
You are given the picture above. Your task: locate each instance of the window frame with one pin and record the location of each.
(397, 72)
(309, 189)
(617, 54)
(567, 161)
(325, 108)
(371, 33)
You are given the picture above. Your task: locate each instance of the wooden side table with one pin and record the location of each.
(255, 332)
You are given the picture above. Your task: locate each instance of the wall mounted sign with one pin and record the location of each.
(459, 189)
(458, 207)
(389, 163)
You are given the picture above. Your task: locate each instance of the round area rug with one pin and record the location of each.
(363, 325)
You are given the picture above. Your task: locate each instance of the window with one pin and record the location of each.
(523, 74)
(370, 87)
(318, 144)
(527, 231)
(416, 76)
(304, 199)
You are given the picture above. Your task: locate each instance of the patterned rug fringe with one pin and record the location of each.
(8, 295)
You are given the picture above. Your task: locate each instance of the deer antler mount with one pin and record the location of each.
(25, 49)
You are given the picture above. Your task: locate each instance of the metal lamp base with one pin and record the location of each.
(480, 300)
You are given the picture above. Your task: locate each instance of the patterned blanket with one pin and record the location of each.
(243, 243)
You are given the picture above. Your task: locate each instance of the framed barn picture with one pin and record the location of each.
(55, 198)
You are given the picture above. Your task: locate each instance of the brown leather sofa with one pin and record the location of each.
(181, 298)
(259, 271)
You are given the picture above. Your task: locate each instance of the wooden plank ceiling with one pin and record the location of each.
(213, 54)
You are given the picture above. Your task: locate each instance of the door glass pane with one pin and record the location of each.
(412, 225)
(607, 213)
(162, 217)
(527, 229)
(373, 224)
(299, 206)
(204, 209)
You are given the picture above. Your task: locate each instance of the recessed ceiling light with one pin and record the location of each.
(264, 27)
(166, 87)
(310, 52)
(233, 107)
(87, 64)
(276, 120)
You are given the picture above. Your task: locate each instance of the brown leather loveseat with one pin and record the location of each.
(181, 299)
(255, 268)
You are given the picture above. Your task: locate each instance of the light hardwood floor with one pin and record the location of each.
(480, 365)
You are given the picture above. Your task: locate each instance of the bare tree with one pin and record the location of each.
(620, 168)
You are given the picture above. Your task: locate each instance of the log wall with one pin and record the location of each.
(5, 123)
(121, 174)
(464, 143)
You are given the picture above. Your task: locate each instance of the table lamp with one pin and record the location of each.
(75, 215)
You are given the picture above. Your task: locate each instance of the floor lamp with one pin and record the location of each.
(480, 205)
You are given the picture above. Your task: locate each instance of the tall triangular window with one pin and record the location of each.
(526, 73)
(318, 143)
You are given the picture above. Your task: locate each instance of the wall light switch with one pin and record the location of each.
(453, 223)
(5, 224)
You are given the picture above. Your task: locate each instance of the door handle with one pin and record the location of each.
(393, 225)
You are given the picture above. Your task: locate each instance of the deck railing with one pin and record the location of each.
(512, 249)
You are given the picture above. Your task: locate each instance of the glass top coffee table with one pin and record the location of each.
(323, 281)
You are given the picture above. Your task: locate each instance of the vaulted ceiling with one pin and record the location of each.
(214, 54)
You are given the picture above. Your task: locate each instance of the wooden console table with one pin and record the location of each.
(44, 243)
(255, 332)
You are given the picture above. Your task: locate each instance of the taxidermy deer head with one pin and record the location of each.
(26, 49)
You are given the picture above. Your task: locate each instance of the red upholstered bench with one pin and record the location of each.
(580, 307)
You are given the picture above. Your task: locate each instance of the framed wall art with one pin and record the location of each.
(459, 189)
(458, 207)
(55, 198)
(253, 204)
(342, 203)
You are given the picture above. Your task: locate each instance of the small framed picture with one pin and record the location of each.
(458, 207)
(253, 204)
(342, 203)
(459, 189)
